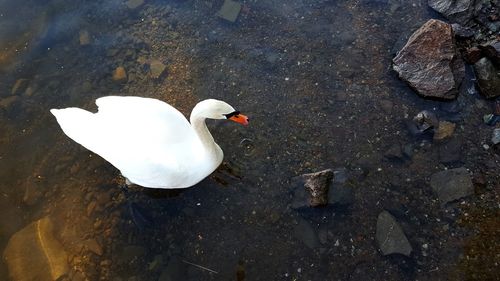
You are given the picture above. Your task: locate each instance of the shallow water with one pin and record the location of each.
(315, 78)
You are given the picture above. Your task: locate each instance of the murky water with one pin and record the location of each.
(316, 81)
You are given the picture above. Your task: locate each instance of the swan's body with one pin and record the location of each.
(149, 141)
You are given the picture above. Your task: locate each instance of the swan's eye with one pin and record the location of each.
(232, 114)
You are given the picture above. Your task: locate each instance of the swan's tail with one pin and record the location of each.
(77, 124)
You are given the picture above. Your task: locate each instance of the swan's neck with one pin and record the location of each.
(206, 139)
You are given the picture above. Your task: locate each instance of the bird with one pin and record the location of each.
(149, 141)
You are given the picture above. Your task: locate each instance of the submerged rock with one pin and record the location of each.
(488, 78)
(451, 185)
(120, 75)
(34, 253)
(230, 10)
(390, 236)
(495, 138)
(430, 62)
(455, 10)
(444, 131)
(317, 184)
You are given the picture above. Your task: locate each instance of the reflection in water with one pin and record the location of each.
(315, 78)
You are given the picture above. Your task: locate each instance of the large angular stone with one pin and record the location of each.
(33, 253)
(451, 185)
(390, 236)
(430, 62)
(488, 78)
(460, 11)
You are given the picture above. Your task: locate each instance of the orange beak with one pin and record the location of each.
(239, 118)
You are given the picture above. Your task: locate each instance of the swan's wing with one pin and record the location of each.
(139, 136)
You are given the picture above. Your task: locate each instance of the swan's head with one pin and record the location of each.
(216, 109)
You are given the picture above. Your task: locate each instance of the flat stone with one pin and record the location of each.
(19, 87)
(230, 10)
(120, 75)
(451, 185)
(175, 270)
(84, 37)
(488, 77)
(450, 151)
(305, 232)
(33, 253)
(390, 236)
(444, 131)
(157, 69)
(93, 246)
(32, 193)
(8, 101)
(430, 63)
(133, 4)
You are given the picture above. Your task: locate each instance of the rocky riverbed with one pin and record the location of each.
(398, 100)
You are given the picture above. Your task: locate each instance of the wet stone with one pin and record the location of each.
(8, 101)
(93, 246)
(19, 87)
(133, 4)
(230, 10)
(488, 77)
(458, 11)
(431, 52)
(451, 151)
(120, 75)
(451, 185)
(34, 253)
(444, 131)
(84, 37)
(157, 69)
(390, 236)
(394, 152)
(305, 232)
(317, 185)
(495, 138)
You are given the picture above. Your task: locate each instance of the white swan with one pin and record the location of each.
(149, 141)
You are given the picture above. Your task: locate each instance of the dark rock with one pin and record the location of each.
(425, 120)
(472, 55)
(33, 192)
(462, 32)
(488, 78)
(390, 236)
(305, 232)
(394, 152)
(317, 185)
(450, 151)
(429, 62)
(175, 270)
(340, 195)
(451, 185)
(491, 119)
(460, 11)
(492, 51)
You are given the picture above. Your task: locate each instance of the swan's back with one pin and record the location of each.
(142, 137)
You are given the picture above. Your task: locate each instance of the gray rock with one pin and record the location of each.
(460, 11)
(492, 51)
(133, 4)
(317, 185)
(495, 138)
(175, 270)
(450, 151)
(230, 10)
(33, 253)
(462, 31)
(305, 232)
(390, 236)
(488, 77)
(430, 62)
(451, 185)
